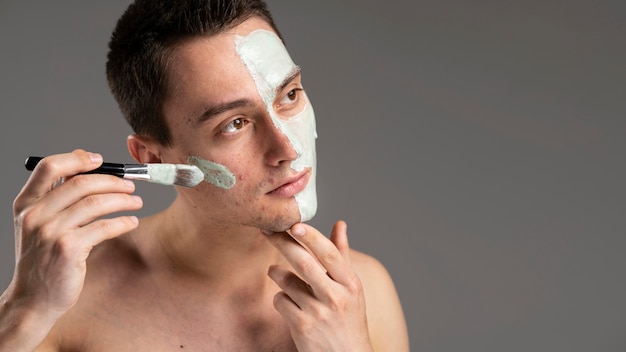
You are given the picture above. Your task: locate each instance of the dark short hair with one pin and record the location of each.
(142, 43)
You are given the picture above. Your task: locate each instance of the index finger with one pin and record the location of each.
(53, 168)
(332, 258)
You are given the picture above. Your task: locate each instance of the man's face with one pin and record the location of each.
(237, 109)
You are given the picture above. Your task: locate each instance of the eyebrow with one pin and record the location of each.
(292, 75)
(215, 110)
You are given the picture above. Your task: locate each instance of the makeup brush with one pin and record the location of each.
(165, 174)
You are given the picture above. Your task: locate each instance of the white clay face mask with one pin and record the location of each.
(269, 64)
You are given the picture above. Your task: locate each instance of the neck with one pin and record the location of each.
(190, 249)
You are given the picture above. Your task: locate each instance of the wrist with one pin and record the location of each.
(22, 326)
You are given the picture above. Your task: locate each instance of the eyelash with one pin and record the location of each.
(296, 93)
(243, 122)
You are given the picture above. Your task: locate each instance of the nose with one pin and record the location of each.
(279, 147)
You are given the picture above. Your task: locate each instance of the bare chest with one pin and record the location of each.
(157, 323)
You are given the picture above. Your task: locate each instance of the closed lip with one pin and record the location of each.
(292, 185)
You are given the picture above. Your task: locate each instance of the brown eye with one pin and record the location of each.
(234, 125)
(238, 123)
(290, 99)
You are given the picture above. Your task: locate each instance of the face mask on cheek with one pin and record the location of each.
(269, 64)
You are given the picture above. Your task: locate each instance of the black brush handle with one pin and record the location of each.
(114, 169)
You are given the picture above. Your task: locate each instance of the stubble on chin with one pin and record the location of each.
(280, 222)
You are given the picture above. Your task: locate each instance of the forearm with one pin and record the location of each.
(21, 327)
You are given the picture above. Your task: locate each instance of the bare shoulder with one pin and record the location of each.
(365, 265)
(385, 317)
(375, 278)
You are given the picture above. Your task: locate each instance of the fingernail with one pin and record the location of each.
(95, 158)
(134, 219)
(267, 232)
(129, 183)
(298, 230)
(137, 199)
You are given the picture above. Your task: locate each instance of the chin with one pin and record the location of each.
(280, 222)
(285, 217)
(283, 224)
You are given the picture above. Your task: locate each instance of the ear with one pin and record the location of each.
(143, 149)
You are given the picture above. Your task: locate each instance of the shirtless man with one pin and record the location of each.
(228, 266)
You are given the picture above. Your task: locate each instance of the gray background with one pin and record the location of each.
(476, 148)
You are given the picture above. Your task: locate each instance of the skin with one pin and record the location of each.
(200, 275)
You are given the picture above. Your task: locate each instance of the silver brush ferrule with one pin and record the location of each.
(136, 172)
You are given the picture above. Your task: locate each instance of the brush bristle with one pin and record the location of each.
(188, 175)
(175, 174)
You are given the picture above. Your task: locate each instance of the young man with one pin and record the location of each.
(229, 265)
